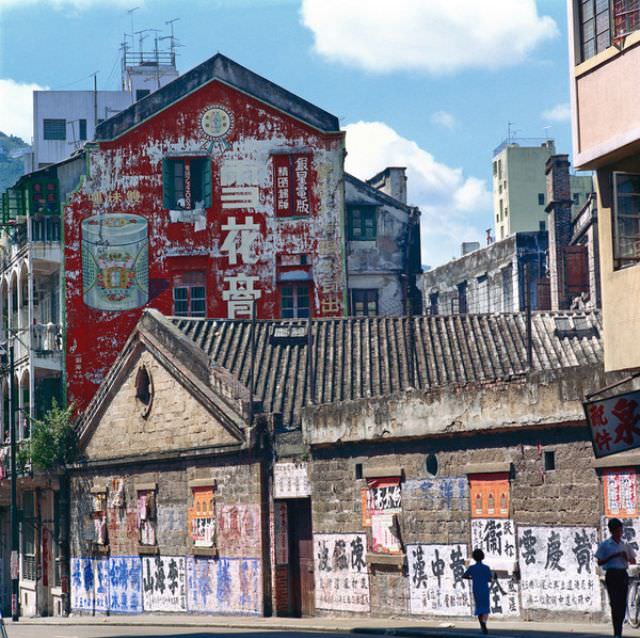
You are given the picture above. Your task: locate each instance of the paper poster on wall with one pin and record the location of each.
(620, 493)
(164, 583)
(225, 585)
(558, 568)
(436, 586)
(496, 537)
(125, 584)
(450, 493)
(341, 572)
(384, 503)
(489, 495)
(281, 525)
(238, 530)
(504, 597)
(291, 480)
(201, 517)
(90, 584)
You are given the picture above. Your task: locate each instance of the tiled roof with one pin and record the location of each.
(357, 358)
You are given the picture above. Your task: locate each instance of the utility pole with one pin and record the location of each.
(95, 100)
(15, 616)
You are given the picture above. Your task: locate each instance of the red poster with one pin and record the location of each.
(620, 493)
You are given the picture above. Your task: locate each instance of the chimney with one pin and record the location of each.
(559, 204)
(391, 181)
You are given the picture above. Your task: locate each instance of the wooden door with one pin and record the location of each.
(302, 578)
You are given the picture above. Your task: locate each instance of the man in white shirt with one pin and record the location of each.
(614, 556)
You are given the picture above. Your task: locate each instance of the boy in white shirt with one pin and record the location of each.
(614, 556)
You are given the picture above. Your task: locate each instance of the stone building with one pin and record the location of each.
(382, 245)
(492, 278)
(375, 454)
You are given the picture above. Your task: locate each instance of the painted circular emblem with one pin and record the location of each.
(216, 121)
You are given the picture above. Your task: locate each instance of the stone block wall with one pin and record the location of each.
(436, 510)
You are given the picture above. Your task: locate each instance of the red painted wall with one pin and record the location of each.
(124, 250)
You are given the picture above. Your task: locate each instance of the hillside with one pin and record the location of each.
(10, 160)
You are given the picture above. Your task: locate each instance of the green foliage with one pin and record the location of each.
(10, 162)
(22, 457)
(54, 443)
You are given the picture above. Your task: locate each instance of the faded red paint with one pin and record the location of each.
(126, 177)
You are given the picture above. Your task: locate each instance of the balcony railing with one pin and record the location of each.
(46, 337)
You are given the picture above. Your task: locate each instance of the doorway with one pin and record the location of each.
(301, 576)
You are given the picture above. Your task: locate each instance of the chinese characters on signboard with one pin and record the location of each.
(125, 584)
(164, 583)
(620, 493)
(436, 585)
(558, 568)
(341, 573)
(291, 480)
(90, 584)
(497, 539)
(614, 423)
(291, 184)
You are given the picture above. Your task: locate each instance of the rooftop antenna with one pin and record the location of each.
(173, 40)
(546, 130)
(141, 39)
(130, 12)
(509, 131)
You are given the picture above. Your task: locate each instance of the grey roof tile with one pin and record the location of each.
(355, 358)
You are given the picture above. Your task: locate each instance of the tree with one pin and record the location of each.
(54, 442)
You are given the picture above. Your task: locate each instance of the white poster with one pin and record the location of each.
(164, 583)
(291, 480)
(558, 568)
(341, 573)
(436, 586)
(496, 537)
(504, 597)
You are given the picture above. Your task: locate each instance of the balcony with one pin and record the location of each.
(46, 346)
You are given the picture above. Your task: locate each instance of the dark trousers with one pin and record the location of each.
(617, 582)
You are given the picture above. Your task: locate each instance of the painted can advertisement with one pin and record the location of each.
(115, 262)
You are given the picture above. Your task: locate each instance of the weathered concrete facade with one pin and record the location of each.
(491, 279)
(383, 246)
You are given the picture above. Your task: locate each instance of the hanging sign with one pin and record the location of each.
(614, 423)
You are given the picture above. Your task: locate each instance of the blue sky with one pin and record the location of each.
(426, 83)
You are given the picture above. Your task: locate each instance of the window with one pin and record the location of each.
(489, 495)
(294, 302)
(462, 298)
(140, 93)
(540, 199)
(362, 223)
(433, 303)
(55, 129)
(292, 184)
(626, 212)
(364, 302)
(542, 225)
(576, 199)
(82, 129)
(147, 516)
(495, 168)
(549, 461)
(595, 33)
(626, 18)
(190, 295)
(201, 517)
(186, 183)
(28, 537)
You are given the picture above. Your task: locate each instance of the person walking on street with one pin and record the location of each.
(480, 576)
(614, 556)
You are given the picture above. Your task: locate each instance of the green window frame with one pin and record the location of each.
(174, 181)
(362, 223)
(190, 295)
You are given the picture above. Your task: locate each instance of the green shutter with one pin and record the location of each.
(168, 192)
(206, 183)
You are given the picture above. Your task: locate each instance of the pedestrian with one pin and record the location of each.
(480, 576)
(614, 556)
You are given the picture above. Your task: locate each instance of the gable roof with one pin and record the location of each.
(368, 191)
(225, 70)
(355, 358)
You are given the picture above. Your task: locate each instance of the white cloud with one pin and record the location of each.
(16, 108)
(444, 119)
(452, 205)
(559, 113)
(436, 36)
